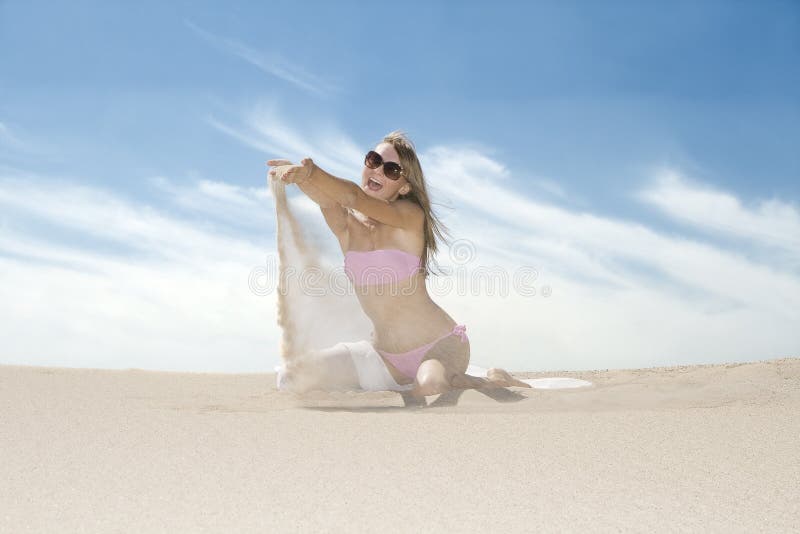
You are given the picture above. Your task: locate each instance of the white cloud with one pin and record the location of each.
(770, 222)
(608, 242)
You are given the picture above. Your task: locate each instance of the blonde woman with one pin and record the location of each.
(388, 233)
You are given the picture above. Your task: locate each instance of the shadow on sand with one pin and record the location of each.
(449, 398)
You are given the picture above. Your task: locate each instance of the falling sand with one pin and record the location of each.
(316, 308)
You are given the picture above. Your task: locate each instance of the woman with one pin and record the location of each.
(387, 231)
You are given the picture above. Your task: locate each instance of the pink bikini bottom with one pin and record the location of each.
(408, 362)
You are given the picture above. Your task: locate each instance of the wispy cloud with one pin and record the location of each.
(232, 205)
(9, 140)
(270, 62)
(267, 131)
(769, 222)
(551, 187)
(609, 241)
(106, 215)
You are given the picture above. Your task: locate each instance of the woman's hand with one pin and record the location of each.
(291, 174)
(280, 166)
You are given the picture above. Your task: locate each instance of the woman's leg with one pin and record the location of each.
(444, 366)
(465, 381)
(446, 359)
(495, 377)
(432, 379)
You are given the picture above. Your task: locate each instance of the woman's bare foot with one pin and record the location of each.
(503, 378)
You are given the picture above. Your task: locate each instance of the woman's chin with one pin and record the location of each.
(370, 192)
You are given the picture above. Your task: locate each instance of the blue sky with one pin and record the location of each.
(133, 141)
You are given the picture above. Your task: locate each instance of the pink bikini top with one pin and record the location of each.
(380, 266)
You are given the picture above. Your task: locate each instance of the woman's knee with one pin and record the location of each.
(432, 378)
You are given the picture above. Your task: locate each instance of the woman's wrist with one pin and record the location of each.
(313, 169)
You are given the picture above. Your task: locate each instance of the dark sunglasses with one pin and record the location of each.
(391, 170)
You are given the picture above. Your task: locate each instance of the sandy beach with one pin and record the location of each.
(710, 448)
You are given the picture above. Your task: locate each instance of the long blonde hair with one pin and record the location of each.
(434, 229)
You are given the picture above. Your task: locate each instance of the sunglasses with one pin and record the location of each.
(391, 170)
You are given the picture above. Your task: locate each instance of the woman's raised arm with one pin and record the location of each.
(350, 195)
(335, 214)
(313, 192)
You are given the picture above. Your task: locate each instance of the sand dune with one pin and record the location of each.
(709, 448)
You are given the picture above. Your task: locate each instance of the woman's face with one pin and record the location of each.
(389, 189)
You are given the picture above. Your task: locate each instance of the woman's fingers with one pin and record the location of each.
(275, 162)
(284, 170)
(279, 169)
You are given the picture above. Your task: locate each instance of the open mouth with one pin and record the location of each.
(373, 185)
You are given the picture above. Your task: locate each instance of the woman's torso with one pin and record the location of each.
(402, 313)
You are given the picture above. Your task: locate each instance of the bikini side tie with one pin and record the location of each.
(460, 330)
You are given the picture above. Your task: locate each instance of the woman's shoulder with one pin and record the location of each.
(411, 207)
